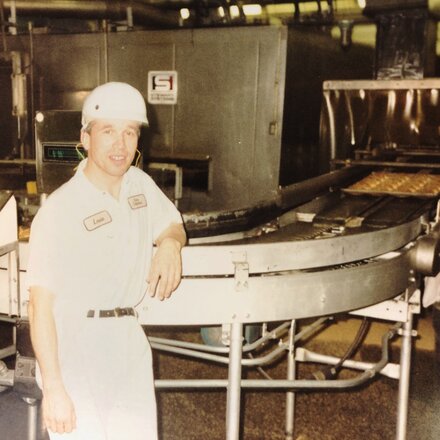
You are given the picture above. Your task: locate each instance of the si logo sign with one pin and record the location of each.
(162, 87)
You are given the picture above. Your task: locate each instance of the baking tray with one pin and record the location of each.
(397, 184)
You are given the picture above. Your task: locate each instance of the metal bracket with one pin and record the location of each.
(226, 335)
(241, 272)
(396, 309)
(413, 333)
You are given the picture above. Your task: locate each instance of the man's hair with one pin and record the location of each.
(89, 127)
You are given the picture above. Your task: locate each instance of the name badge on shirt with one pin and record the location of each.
(97, 220)
(138, 201)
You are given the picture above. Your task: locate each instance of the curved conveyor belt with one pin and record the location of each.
(265, 282)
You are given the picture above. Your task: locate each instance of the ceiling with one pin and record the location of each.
(178, 13)
(66, 16)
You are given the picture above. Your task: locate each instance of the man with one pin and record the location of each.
(90, 264)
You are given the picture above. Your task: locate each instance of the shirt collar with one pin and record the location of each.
(79, 174)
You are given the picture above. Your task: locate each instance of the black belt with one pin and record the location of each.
(112, 313)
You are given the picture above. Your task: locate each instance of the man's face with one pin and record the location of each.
(111, 146)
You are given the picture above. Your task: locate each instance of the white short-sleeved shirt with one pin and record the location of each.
(93, 251)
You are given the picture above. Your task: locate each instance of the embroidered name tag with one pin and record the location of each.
(97, 220)
(138, 201)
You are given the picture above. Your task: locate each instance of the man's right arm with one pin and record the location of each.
(58, 409)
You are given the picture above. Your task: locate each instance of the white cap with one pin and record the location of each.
(114, 100)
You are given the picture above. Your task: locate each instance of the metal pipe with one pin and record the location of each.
(290, 384)
(298, 193)
(105, 34)
(304, 355)
(11, 350)
(32, 80)
(3, 26)
(142, 13)
(281, 348)
(350, 117)
(405, 364)
(234, 383)
(13, 18)
(331, 123)
(381, 163)
(224, 350)
(32, 418)
(199, 350)
(191, 353)
(275, 384)
(17, 266)
(291, 373)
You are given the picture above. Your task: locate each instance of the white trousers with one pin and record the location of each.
(109, 376)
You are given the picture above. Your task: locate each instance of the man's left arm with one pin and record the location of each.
(166, 265)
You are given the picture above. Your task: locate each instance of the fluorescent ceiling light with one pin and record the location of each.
(252, 9)
(184, 13)
(234, 11)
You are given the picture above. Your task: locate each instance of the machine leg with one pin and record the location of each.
(32, 417)
(405, 364)
(234, 383)
(291, 373)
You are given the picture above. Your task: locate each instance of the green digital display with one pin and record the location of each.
(63, 153)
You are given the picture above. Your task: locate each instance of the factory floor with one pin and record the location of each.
(366, 412)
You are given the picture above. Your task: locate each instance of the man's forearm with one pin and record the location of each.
(175, 231)
(44, 336)
(58, 409)
(166, 266)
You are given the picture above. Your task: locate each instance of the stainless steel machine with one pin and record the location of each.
(328, 248)
(346, 245)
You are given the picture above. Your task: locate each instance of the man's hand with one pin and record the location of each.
(58, 411)
(166, 269)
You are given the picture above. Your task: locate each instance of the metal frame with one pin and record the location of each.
(409, 302)
(229, 284)
(11, 249)
(178, 177)
(296, 294)
(232, 288)
(386, 84)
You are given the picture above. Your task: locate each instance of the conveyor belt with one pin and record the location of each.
(384, 211)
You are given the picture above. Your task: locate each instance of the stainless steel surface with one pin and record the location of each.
(290, 254)
(302, 384)
(405, 366)
(291, 375)
(360, 133)
(234, 383)
(32, 421)
(293, 294)
(425, 255)
(236, 74)
(389, 84)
